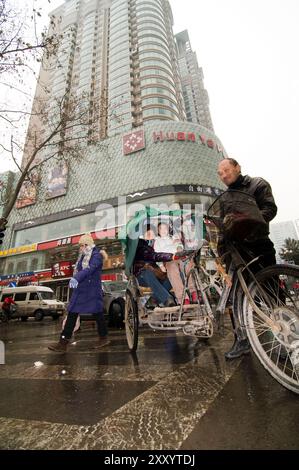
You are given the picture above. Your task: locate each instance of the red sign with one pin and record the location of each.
(62, 269)
(45, 275)
(186, 137)
(108, 277)
(64, 241)
(20, 281)
(47, 245)
(133, 142)
(100, 235)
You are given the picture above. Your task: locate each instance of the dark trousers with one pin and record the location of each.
(160, 289)
(263, 248)
(71, 322)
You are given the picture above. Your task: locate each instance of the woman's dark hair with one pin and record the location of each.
(149, 227)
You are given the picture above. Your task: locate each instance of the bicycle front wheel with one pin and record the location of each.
(277, 345)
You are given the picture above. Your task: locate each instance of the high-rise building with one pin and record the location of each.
(144, 82)
(122, 57)
(119, 58)
(195, 95)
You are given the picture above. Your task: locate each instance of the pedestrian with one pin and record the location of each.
(7, 307)
(258, 244)
(87, 296)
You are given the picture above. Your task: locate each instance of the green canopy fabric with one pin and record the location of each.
(130, 234)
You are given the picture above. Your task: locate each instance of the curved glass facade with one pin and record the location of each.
(155, 62)
(143, 66)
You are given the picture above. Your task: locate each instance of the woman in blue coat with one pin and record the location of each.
(87, 296)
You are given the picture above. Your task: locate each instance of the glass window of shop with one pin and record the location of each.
(90, 222)
(23, 263)
(54, 230)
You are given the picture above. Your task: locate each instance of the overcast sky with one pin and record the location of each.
(249, 53)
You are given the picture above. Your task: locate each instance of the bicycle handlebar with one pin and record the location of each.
(185, 254)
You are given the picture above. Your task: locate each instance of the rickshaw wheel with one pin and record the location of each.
(131, 321)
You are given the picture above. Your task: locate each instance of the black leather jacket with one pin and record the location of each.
(261, 190)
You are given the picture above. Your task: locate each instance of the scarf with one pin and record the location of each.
(85, 256)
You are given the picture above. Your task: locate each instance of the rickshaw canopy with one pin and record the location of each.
(134, 229)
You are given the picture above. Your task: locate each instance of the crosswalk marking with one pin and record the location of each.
(160, 418)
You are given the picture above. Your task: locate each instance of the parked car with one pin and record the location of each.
(114, 303)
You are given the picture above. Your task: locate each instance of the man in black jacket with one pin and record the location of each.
(229, 172)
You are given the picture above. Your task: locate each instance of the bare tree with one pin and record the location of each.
(20, 42)
(58, 130)
(22, 46)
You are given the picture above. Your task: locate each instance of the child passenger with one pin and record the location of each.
(167, 244)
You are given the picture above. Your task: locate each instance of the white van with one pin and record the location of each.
(34, 301)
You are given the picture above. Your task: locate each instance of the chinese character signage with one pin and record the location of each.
(133, 142)
(64, 241)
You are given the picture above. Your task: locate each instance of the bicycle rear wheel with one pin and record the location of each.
(276, 346)
(131, 321)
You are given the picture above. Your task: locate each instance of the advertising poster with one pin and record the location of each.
(28, 192)
(57, 181)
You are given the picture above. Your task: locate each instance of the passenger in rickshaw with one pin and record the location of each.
(173, 244)
(147, 271)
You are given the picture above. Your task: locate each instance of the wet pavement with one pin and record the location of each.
(175, 393)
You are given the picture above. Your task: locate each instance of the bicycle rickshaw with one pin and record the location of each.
(264, 303)
(195, 319)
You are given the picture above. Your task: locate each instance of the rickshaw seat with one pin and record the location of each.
(148, 291)
(145, 290)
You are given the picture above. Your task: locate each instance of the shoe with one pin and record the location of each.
(170, 303)
(151, 303)
(239, 348)
(102, 342)
(59, 347)
(186, 302)
(194, 297)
